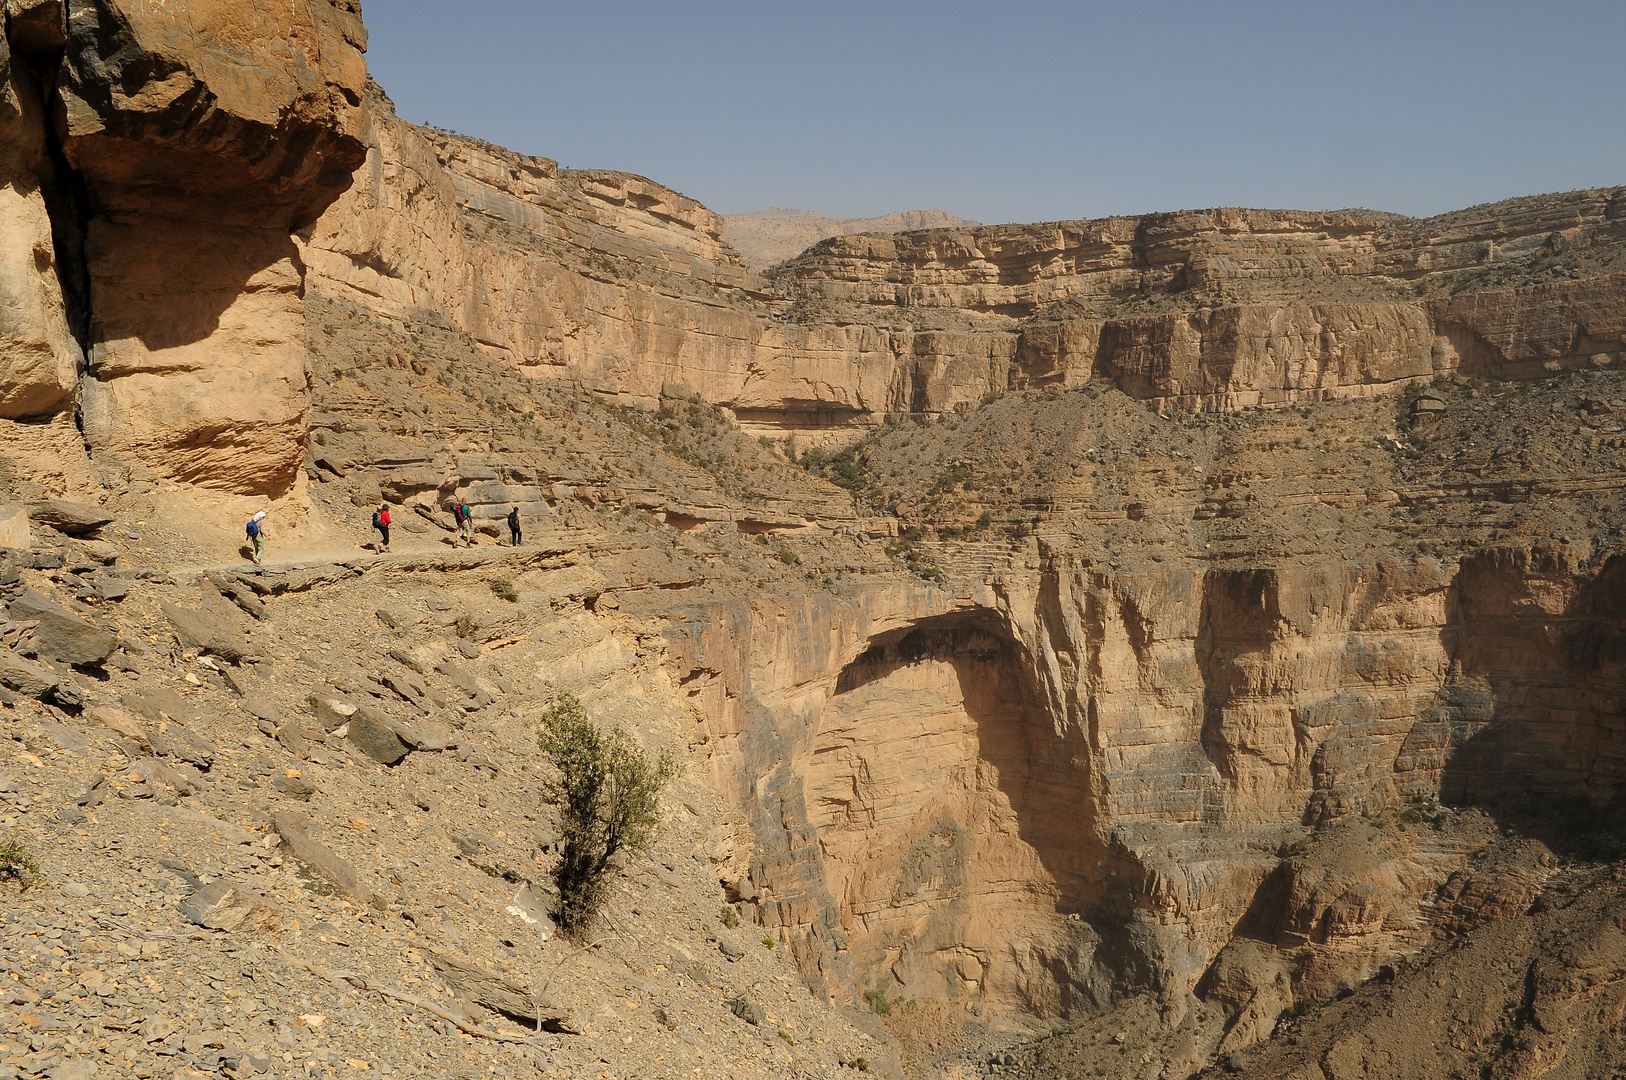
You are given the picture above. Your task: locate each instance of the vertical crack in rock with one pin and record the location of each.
(37, 35)
(67, 201)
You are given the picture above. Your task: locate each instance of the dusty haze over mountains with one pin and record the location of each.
(1183, 644)
(771, 236)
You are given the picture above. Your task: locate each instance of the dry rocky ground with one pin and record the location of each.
(394, 943)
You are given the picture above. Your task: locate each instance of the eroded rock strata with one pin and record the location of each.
(1207, 614)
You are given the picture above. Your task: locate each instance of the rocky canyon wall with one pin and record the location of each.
(1137, 665)
(1067, 785)
(191, 165)
(622, 286)
(172, 150)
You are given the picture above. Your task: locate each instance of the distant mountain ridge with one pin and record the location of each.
(766, 238)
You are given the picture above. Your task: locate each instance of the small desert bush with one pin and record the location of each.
(608, 789)
(17, 863)
(505, 589)
(878, 1002)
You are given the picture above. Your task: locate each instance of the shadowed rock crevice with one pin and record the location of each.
(38, 38)
(1535, 709)
(1245, 734)
(954, 821)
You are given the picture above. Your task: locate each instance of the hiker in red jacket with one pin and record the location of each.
(381, 522)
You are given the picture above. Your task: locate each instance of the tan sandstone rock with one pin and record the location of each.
(197, 357)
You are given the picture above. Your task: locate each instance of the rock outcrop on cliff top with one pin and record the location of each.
(1162, 625)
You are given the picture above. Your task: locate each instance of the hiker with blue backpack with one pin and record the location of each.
(256, 535)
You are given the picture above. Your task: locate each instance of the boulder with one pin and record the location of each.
(109, 586)
(98, 551)
(164, 711)
(375, 738)
(425, 734)
(318, 857)
(748, 1010)
(119, 721)
(234, 590)
(24, 676)
(14, 531)
(496, 993)
(406, 686)
(333, 710)
(184, 781)
(62, 635)
(175, 741)
(211, 628)
(75, 519)
(160, 704)
(224, 904)
(294, 787)
(223, 830)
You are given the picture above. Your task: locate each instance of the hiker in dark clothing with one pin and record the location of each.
(513, 524)
(461, 520)
(381, 522)
(468, 523)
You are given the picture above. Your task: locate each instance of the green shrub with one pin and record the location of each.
(768, 943)
(505, 589)
(609, 789)
(466, 625)
(17, 863)
(878, 1002)
(731, 918)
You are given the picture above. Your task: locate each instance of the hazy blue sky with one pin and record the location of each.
(1032, 111)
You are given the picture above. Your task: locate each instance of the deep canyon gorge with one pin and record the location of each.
(1146, 646)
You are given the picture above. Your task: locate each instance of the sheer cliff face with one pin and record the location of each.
(168, 151)
(39, 360)
(1231, 308)
(1074, 784)
(1161, 743)
(620, 285)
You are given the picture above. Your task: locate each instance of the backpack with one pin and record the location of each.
(457, 514)
(377, 521)
(253, 529)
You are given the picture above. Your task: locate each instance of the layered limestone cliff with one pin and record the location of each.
(626, 288)
(1143, 750)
